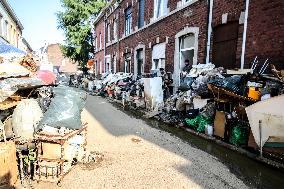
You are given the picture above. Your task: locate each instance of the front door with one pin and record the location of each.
(225, 39)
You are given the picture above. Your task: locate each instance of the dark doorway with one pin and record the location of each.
(225, 39)
(139, 62)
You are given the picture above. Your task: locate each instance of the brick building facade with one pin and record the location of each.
(56, 58)
(141, 36)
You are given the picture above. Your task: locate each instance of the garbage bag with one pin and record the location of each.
(65, 108)
(233, 84)
(25, 118)
(198, 123)
(239, 134)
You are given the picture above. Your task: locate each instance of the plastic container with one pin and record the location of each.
(209, 130)
(254, 93)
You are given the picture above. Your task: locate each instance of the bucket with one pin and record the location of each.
(254, 93)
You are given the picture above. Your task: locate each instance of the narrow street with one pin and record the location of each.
(137, 155)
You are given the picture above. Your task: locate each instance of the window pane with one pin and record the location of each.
(141, 13)
(128, 20)
(187, 41)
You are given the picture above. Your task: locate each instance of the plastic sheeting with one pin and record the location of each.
(47, 77)
(9, 86)
(233, 84)
(65, 108)
(9, 51)
(25, 118)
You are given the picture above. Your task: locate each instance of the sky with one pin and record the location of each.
(39, 21)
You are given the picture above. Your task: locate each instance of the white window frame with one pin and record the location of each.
(183, 2)
(108, 32)
(115, 30)
(160, 8)
(128, 22)
(159, 49)
(1, 25)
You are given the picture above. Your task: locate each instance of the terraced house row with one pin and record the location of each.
(141, 36)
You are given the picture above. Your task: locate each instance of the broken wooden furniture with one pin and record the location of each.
(8, 164)
(53, 163)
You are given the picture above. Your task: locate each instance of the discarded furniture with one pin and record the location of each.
(54, 166)
(8, 164)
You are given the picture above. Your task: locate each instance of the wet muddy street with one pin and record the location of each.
(140, 154)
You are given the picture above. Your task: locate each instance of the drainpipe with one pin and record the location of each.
(209, 31)
(244, 35)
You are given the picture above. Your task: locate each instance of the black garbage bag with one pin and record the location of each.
(233, 84)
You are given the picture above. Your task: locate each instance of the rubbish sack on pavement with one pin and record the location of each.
(25, 118)
(65, 109)
(198, 123)
(239, 134)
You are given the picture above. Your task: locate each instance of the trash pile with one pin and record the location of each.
(217, 102)
(41, 133)
(122, 87)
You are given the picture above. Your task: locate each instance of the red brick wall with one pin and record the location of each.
(167, 27)
(99, 55)
(55, 57)
(265, 34)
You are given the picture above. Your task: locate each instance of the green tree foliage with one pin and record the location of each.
(74, 20)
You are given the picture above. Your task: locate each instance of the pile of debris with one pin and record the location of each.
(210, 100)
(122, 87)
(29, 63)
(41, 133)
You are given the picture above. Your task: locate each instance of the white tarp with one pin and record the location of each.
(271, 113)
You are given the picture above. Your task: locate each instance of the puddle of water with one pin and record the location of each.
(253, 173)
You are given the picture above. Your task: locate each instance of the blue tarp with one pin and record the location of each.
(9, 51)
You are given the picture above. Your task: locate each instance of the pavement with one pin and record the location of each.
(136, 155)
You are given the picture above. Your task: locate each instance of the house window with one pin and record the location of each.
(160, 8)
(139, 62)
(6, 29)
(128, 20)
(186, 50)
(127, 63)
(101, 45)
(1, 25)
(11, 34)
(115, 30)
(185, 1)
(108, 32)
(114, 63)
(95, 44)
(158, 56)
(141, 13)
